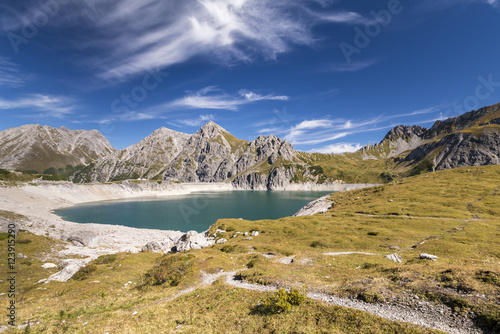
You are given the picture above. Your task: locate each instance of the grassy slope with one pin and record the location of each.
(452, 214)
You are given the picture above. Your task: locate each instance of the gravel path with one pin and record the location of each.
(423, 313)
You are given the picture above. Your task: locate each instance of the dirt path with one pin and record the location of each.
(425, 314)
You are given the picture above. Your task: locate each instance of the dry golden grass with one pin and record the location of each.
(452, 214)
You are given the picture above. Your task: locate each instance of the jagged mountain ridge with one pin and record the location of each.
(145, 159)
(210, 155)
(38, 148)
(471, 139)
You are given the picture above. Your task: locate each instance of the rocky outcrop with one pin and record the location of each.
(83, 238)
(460, 149)
(192, 240)
(321, 205)
(471, 139)
(38, 148)
(146, 159)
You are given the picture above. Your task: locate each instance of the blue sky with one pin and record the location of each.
(328, 76)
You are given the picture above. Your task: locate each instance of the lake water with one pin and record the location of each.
(195, 211)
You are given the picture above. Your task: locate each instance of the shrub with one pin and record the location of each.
(373, 233)
(171, 270)
(318, 244)
(424, 166)
(233, 249)
(489, 277)
(85, 272)
(4, 174)
(23, 241)
(104, 259)
(282, 301)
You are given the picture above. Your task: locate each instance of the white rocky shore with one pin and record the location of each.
(88, 241)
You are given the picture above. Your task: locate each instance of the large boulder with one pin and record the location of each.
(192, 240)
(70, 268)
(83, 238)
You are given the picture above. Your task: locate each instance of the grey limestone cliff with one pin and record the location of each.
(37, 148)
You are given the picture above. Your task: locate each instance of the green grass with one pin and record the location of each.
(451, 214)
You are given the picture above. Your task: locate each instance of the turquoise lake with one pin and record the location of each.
(195, 211)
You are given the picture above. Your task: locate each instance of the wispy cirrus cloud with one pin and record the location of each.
(42, 105)
(10, 74)
(353, 66)
(326, 131)
(139, 35)
(214, 98)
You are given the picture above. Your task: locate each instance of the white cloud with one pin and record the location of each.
(50, 106)
(338, 148)
(214, 98)
(314, 124)
(202, 119)
(140, 35)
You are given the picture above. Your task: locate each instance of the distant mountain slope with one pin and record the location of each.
(146, 159)
(471, 139)
(38, 148)
(214, 155)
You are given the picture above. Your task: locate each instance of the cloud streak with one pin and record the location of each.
(10, 74)
(49, 106)
(213, 98)
(137, 36)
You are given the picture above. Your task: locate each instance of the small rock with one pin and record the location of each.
(221, 241)
(390, 200)
(135, 312)
(394, 257)
(20, 255)
(151, 246)
(49, 265)
(247, 238)
(255, 233)
(425, 256)
(245, 234)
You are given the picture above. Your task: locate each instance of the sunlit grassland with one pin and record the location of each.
(452, 214)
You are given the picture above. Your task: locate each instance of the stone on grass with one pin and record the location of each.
(49, 265)
(425, 256)
(394, 257)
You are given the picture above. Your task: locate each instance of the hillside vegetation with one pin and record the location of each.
(452, 214)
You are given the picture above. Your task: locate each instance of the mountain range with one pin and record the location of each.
(214, 155)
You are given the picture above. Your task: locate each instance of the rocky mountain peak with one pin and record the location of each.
(211, 129)
(35, 147)
(404, 132)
